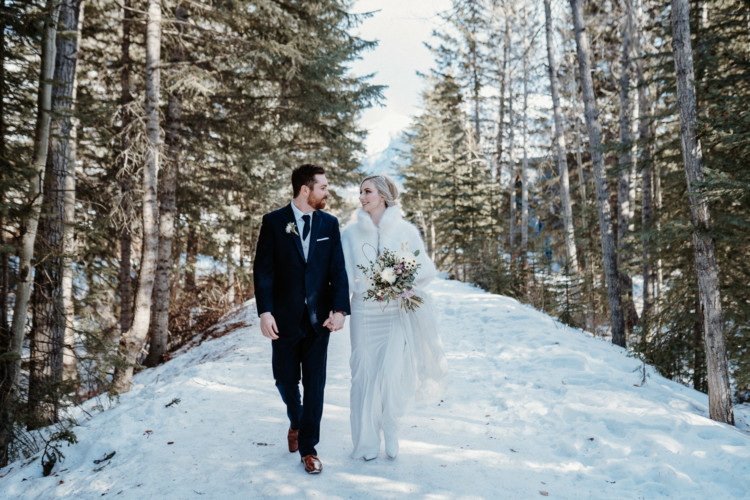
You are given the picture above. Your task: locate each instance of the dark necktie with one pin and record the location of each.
(306, 227)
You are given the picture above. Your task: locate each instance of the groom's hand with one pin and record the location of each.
(268, 326)
(335, 321)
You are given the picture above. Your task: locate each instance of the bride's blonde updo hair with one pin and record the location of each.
(385, 186)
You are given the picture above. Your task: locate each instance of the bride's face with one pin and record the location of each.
(370, 198)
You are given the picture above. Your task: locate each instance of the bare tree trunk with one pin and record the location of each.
(46, 366)
(70, 364)
(525, 165)
(133, 340)
(511, 159)
(560, 151)
(706, 269)
(125, 286)
(6, 409)
(167, 204)
(602, 196)
(588, 259)
(644, 136)
(501, 118)
(10, 364)
(4, 253)
(626, 164)
(35, 195)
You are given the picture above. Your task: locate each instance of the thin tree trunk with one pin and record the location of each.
(706, 269)
(501, 123)
(6, 410)
(525, 165)
(70, 365)
(644, 138)
(560, 152)
(588, 259)
(167, 204)
(125, 282)
(4, 254)
(511, 159)
(626, 164)
(602, 196)
(133, 340)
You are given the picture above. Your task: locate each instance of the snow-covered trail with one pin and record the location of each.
(533, 409)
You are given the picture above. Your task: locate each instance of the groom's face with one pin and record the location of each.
(318, 194)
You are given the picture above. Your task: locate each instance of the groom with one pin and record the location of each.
(302, 294)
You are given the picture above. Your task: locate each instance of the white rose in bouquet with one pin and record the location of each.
(388, 275)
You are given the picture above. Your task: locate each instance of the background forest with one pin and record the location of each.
(141, 142)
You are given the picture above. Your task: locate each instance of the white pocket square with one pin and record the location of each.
(323, 239)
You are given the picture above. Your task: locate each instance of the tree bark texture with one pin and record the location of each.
(46, 363)
(560, 150)
(609, 258)
(503, 64)
(125, 282)
(706, 269)
(70, 363)
(626, 170)
(11, 365)
(525, 164)
(167, 204)
(644, 138)
(133, 340)
(35, 193)
(4, 254)
(511, 147)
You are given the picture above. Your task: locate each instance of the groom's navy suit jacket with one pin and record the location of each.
(285, 283)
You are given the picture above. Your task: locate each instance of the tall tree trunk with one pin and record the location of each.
(6, 413)
(11, 361)
(511, 159)
(35, 194)
(501, 122)
(133, 340)
(70, 364)
(125, 282)
(644, 138)
(560, 151)
(602, 195)
(46, 366)
(4, 253)
(588, 258)
(706, 269)
(167, 204)
(626, 169)
(525, 130)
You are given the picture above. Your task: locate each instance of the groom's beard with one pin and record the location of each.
(316, 203)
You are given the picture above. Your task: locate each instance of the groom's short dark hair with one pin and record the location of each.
(304, 175)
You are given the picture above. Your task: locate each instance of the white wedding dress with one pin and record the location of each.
(395, 354)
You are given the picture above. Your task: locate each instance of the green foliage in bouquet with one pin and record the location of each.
(391, 277)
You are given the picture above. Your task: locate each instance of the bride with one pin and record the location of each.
(395, 353)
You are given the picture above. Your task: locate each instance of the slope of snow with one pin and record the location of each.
(532, 409)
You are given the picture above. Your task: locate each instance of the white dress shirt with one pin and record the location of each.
(301, 224)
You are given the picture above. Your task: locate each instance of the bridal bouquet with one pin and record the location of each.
(391, 277)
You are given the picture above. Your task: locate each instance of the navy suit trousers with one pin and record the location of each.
(302, 358)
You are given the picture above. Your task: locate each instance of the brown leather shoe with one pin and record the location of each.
(312, 464)
(291, 437)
